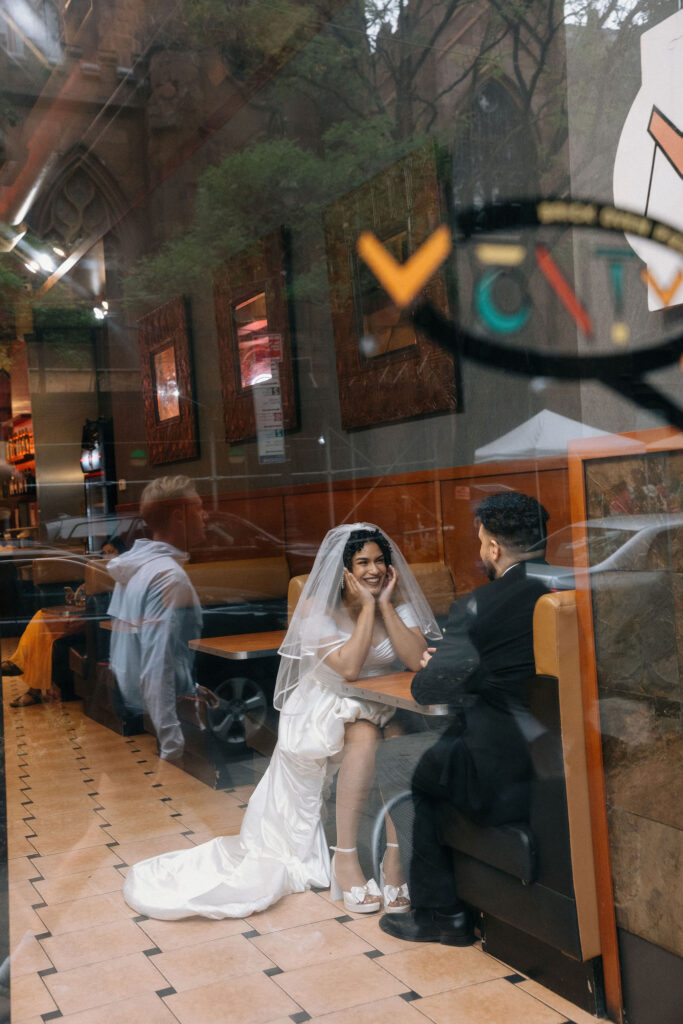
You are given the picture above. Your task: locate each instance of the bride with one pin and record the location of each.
(361, 613)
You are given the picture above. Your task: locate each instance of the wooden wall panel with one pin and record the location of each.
(409, 513)
(246, 527)
(460, 498)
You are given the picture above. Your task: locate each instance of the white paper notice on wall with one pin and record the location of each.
(648, 168)
(270, 435)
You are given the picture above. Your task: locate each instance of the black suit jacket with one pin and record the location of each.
(483, 665)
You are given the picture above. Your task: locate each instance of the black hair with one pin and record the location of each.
(359, 538)
(516, 520)
(116, 542)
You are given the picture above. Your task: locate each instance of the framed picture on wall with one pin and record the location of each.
(386, 370)
(252, 323)
(168, 383)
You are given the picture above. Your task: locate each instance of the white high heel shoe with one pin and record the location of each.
(391, 894)
(354, 900)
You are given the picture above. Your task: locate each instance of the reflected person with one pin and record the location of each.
(155, 611)
(480, 763)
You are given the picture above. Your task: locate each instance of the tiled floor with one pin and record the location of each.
(83, 803)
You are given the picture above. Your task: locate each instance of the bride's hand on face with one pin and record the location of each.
(356, 593)
(388, 586)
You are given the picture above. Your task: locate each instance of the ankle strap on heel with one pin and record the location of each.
(341, 849)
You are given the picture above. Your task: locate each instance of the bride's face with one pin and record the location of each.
(369, 567)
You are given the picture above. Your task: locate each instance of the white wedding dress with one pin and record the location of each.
(281, 847)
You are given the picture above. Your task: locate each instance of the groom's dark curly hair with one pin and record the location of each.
(359, 538)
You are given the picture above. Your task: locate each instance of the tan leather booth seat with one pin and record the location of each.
(533, 879)
(58, 570)
(244, 579)
(556, 651)
(434, 578)
(97, 579)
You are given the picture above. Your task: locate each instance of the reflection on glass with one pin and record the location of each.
(166, 384)
(253, 342)
(385, 327)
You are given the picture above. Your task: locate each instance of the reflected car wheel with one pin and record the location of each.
(242, 712)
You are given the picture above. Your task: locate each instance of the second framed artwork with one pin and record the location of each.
(386, 370)
(168, 383)
(254, 343)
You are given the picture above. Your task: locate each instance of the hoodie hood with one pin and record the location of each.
(124, 567)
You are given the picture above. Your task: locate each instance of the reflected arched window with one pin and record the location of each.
(494, 156)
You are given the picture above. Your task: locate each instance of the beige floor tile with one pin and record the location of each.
(433, 968)
(556, 1002)
(297, 909)
(493, 1002)
(368, 929)
(125, 832)
(73, 887)
(30, 998)
(310, 944)
(18, 846)
(385, 1011)
(139, 1009)
(254, 1001)
(168, 935)
(132, 852)
(23, 919)
(338, 984)
(56, 840)
(20, 869)
(74, 862)
(210, 962)
(93, 945)
(28, 957)
(103, 984)
(86, 912)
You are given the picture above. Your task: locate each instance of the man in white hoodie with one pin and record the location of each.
(156, 611)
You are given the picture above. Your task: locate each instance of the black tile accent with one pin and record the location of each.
(144, 761)
(163, 992)
(39, 878)
(44, 935)
(514, 979)
(52, 1015)
(149, 773)
(94, 793)
(157, 785)
(300, 1017)
(190, 832)
(121, 865)
(29, 817)
(140, 917)
(272, 971)
(47, 970)
(154, 951)
(37, 906)
(243, 805)
(104, 824)
(81, 757)
(164, 799)
(85, 770)
(32, 856)
(113, 843)
(409, 996)
(250, 935)
(343, 919)
(372, 954)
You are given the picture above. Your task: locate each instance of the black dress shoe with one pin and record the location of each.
(424, 925)
(10, 669)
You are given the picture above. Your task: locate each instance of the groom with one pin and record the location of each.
(480, 763)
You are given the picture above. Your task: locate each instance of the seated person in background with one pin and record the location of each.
(33, 656)
(480, 763)
(156, 611)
